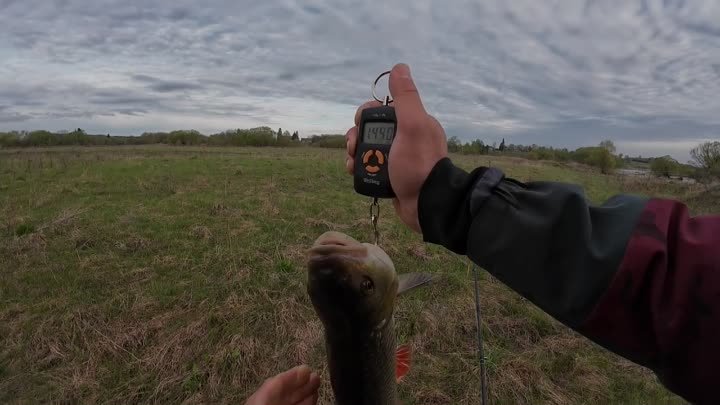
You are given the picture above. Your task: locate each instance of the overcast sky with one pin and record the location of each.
(645, 74)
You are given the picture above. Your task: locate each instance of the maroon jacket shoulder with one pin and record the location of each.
(662, 308)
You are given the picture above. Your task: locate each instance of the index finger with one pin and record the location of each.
(290, 382)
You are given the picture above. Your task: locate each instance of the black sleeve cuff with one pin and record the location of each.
(449, 198)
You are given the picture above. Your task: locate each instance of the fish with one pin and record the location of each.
(353, 288)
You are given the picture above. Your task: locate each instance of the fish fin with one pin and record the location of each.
(409, 281)
(402, 361)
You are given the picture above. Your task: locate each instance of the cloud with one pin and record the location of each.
(13, 116)
(560, 73)
(121, 97)
(166, 86)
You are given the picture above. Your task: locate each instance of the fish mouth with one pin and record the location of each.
(340, 250)
(331, 245)
(333, 257)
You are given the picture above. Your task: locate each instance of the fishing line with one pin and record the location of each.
(483, 375)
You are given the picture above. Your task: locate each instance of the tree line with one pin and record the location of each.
(260, 136)
(706, 159)
(705, 163)
(602, 156)
(706, 156)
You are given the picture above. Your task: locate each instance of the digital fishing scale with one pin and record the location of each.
(376, 133)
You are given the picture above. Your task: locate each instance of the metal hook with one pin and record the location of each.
(388, 98)
(374, 216)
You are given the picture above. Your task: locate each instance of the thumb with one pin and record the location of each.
(404, 93)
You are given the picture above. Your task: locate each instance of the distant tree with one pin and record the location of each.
(664, 166)
(475, 147)
(328, 141)
(563, 155)
(609, 145)
(9, 139)
(502, 145)
(279, 133)
(707, 157)
(283, 139)
(605, 161)
(295, 136)
(596, 156)
(454, 144)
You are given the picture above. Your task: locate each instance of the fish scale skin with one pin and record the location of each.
(365, 376)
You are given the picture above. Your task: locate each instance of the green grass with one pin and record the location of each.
(172, 274)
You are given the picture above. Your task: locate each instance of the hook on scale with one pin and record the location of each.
(376, 132)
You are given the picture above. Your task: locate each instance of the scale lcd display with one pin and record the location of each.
(380, 133)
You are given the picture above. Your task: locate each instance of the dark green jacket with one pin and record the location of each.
(636, 275)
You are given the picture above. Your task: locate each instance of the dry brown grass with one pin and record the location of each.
(325, 224)
(182, 281)
(201, 232)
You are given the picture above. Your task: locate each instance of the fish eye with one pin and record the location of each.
(367, 286)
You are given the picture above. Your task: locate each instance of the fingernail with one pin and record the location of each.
(402, 70)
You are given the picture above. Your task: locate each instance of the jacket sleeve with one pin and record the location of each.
(636, 275)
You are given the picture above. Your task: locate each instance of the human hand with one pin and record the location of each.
(297, 386)
(418, 145)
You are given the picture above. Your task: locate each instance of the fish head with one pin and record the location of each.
(349, 282)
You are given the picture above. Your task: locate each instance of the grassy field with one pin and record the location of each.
(176, 275)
